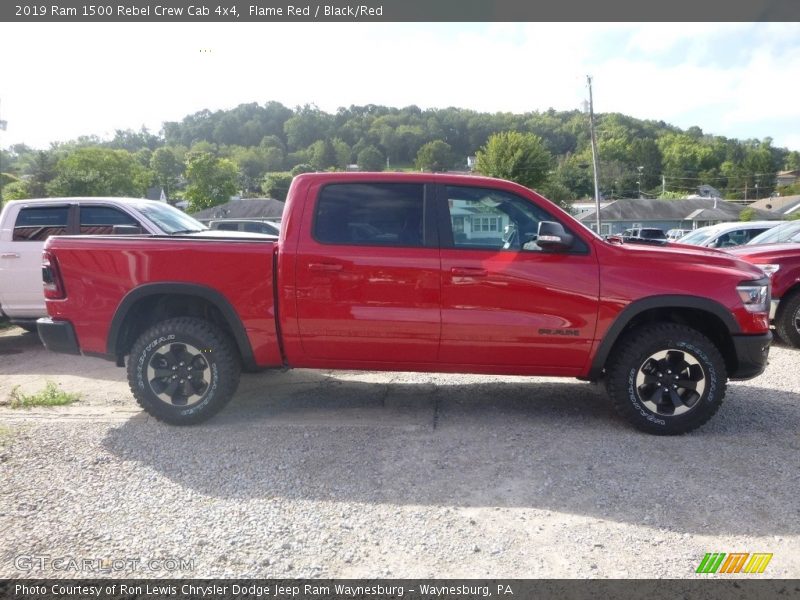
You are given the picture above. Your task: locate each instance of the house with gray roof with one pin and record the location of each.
(783, 205)
(689, 213)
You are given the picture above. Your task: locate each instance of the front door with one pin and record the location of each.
(505, 301)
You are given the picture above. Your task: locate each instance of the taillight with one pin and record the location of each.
(51, 277)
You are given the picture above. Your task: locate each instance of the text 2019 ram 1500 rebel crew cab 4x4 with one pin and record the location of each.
(413, 272)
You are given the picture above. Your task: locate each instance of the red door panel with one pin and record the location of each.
(368, 279)
(517, 308)
(368, 306)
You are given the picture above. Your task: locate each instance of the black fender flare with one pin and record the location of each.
(184, 289)
(637, 307)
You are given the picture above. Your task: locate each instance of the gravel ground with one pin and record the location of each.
(343, 474)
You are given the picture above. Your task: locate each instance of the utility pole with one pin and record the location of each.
(663, 186)
(639, 181)
(594, 155)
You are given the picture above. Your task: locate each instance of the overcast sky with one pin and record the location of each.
(59, 81)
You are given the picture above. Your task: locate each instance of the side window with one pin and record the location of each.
(385, 214)
(100, 220)
(490, 219)
(750, 234)
(39, 223)
(226, 226)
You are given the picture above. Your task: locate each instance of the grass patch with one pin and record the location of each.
(6, 433)
(51, 395)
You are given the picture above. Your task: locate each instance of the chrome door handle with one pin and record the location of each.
(10, 255)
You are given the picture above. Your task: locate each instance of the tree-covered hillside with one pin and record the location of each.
(248, 147)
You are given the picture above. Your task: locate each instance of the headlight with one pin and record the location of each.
(754, 297)
(769, 270)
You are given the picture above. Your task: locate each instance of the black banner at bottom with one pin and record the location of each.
(395, 589)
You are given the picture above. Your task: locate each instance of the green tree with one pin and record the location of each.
(39, 169)
(99, 172)
(211, 180)
(16, 190)
(435, 156)
(371, 159)
(308, 124)
(323, 154)
(747, 214)
(167, 166)
(276, 185)
(520, 157)
(342, 151)
(300, 169)
(792, 161)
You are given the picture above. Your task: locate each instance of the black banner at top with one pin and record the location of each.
(396, 10)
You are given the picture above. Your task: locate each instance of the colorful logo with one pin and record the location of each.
(734, 562)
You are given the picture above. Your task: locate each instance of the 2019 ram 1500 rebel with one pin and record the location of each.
(412, 272)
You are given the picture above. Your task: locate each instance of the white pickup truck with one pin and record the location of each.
(26, 224)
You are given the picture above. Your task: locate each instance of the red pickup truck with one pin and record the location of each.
(412, 272)
(782, 263)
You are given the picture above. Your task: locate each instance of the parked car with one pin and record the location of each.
(392, 271)
(644, 235)
(249, 225)
(788, 231)
(781, 262)
(26, 224)
(675, 234)
(727, 235)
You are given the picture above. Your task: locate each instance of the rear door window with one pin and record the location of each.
(371, 214)
(100, 220)
(36, 224)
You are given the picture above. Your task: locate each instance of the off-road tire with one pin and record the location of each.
(787, 320)
(642, 392)
(183, 343)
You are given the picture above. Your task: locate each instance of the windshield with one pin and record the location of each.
(697, 237)
(170, 219)
(781, 233)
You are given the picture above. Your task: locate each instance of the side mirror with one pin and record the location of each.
(552, 236)
(126, 230)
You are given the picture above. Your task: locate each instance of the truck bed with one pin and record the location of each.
(103, 271)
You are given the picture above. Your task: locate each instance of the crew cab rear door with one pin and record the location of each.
(506, 302)
(367, 278)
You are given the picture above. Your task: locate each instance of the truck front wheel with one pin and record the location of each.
(183, 370)
(666, 378)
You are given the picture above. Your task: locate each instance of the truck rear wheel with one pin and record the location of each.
(183, 370)
(666, 379)
(787, 321)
